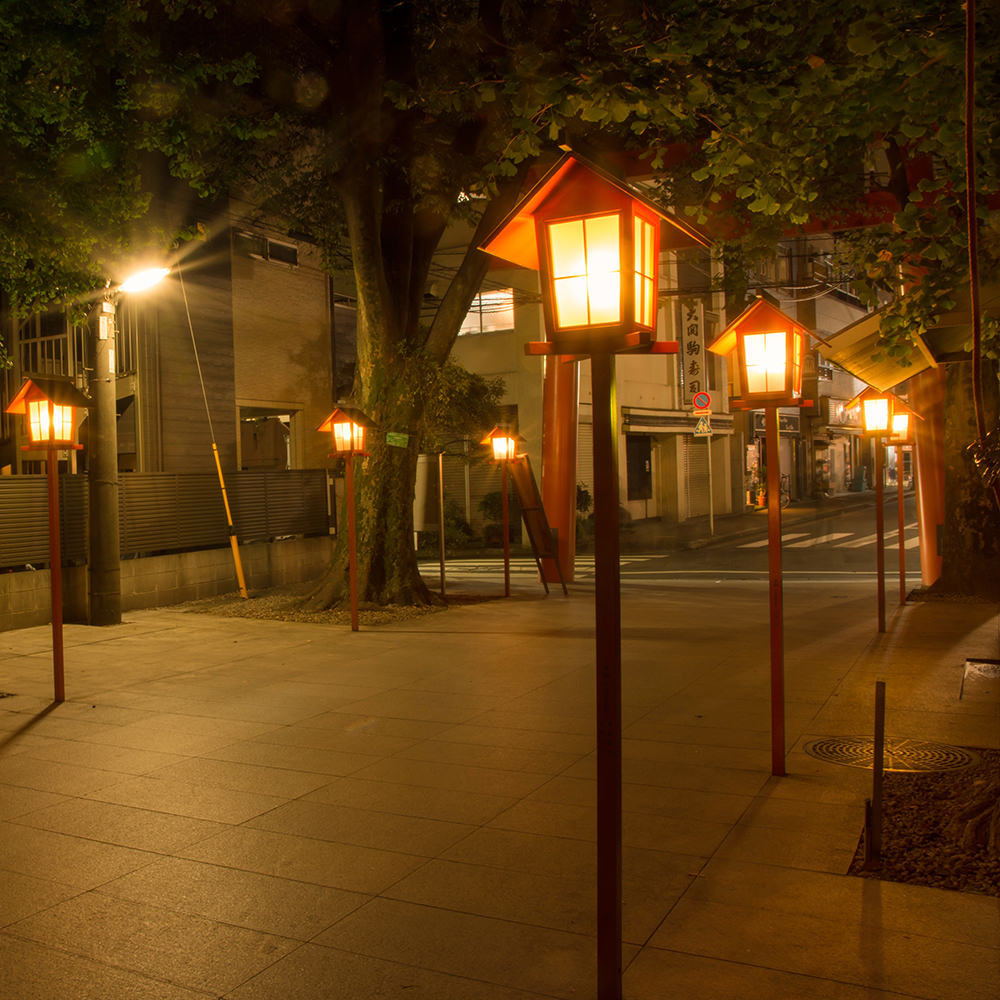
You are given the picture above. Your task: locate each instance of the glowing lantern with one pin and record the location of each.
(347, 425)
(50, 407)
(503, 443)
(766, 349)
(901, 426)
(596, 244)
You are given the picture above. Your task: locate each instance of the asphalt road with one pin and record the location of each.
(825, 548)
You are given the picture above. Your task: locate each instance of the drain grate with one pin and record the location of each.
(900, 755)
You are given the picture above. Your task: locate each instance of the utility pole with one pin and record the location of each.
(104, 553)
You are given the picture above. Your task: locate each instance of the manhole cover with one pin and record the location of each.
(900, 755)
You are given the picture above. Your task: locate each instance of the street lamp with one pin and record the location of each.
(50, 408)
(596, 244)
(883, 416)
(347, 426)
(104, 556)
(765, 348)
(504, 446)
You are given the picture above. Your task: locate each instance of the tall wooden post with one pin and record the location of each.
(902, 525)
(55, 569)
(352, 545)
(880, 534)
(505, 503)
(775, 591)
(607, 634)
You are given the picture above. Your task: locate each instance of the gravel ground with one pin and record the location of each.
(915, 846)
(284, 604)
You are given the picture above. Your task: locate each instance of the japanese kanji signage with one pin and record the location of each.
(692, 360)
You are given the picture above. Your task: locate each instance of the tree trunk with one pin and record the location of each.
(971, 542)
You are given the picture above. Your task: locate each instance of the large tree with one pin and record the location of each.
(70, 187)
(375, 125)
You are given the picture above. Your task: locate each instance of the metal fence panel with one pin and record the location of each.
(163, 512)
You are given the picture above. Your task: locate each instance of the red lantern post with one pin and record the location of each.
(766, 348)
(50, 408)
(596, 244)
(347, 425)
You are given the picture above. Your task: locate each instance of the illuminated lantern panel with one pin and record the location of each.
(901, 425)
(348, 436)
(503, 448)
(586, 271)
(876, 415)
(645, 273)
(766, 358)
(40, 429)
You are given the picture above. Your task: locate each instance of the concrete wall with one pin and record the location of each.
(163, 580)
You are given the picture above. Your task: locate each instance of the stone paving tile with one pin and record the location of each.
(73, 860)
(479, 755)
(35, 972)
(17, 801)
(362, 827)
(550, 962)
(304, 859)
(318, 973)
(190, 951)
(472, 734)
(292, 758)
(668, 975)
(360, 742)
(121, 760)
(27, 771)
(812, 946)
(448, 804)
(188, 798)
(234, 776)
(23, 895)
(109, 823)
(460, 777)
(263, 903)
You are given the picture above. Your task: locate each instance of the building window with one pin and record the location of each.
(262, 248)
(490, 311)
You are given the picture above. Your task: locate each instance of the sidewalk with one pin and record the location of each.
(261, 810)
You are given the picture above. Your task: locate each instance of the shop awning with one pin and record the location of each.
(852, 347)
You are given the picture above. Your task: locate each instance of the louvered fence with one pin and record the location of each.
(163, 512)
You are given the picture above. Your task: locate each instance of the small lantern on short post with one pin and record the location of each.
(766, 348)
(50, 406)
(347, 426)
(885, 416)
(504, 445)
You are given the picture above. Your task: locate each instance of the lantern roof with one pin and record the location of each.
(869, 392)
(514, 238)
(760, 315)
(59, 391)
(501, 432)
(346, 414)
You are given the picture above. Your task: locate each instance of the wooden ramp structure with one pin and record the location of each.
(543, 541)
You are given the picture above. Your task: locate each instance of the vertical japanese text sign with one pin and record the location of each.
(691, 334)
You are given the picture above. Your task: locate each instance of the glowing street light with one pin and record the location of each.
(50, 406)
(347, 426)
(104, 557)
(765, 348)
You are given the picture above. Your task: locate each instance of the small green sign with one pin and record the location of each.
(396, 440)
